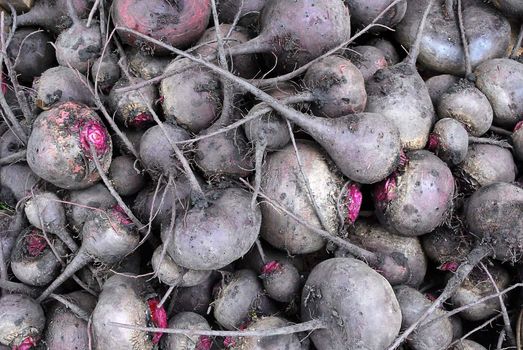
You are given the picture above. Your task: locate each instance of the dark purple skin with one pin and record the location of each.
(237, 299)
(296, 32)
(338, 87)
(65, 330)
(418, 198)
(23, 320)
(250, 11)
(363, 12)
(438, 85)
(368, 59)
(213, 237)
(192, 97)
(225, 154)
(81, 203)
(105, 72)
(400, 95)
(441, 50)
(16, 182)
(493, 214)
(32, 260)
(500, 80)
(194, 299)
(156, 152)
(373, 237)
(132, 107)
(179, 24)
(511, 8)
(53, 14)
(58, 149)
(244, 66)
(486, 164)
(125, 177)
(10, 144)
(479, 285)
(78, 46)
(468, 105)
(61, 84)
(146, 66)
(162, 208)
(517, 141)
(388, 49)
(134, 136)
(445, 245)
(449, 140)
(281, 280)
(34, 56)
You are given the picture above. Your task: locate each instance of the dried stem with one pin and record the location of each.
(414, 52)
(296, 328)
(91, 14)
(78, 311)
(14, 158)
(489, 141)
(466, 51)
(481, 326)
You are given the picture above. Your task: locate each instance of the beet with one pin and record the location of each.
(79, 46)
(363, 12)
(125, 177)
(53, 15)
(416, 200)
(81, 203)
(368, 59)
(22, 322)
(438, 85)
(105, 72)
(178, 24)
(449, 140)
(58, 149)
(32, 53)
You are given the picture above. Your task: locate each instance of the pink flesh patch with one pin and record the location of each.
(229, 342)
(431, 297)
(27, 344)
(385, 191)
(204, 343)
(353, 202)
(449, 266)
(141, 120)
(120, 214)
(433, 142)
(35, 244)
(158, 317)
(271, 267)
(94, 133)
(518, 126)
(404, 160)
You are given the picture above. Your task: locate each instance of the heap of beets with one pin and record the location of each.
(261, 174)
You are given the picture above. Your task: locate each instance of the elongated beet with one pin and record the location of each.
(224, 231)
(58, 149)
(441, 50)
(178, 24)
(53, 15)
(296, 32)
(414, 201)
(106, 237)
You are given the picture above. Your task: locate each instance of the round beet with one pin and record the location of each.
(486, 164)
(500, 80)
(441, 50)
(32, 52)
(281, 280)
(192, 97)
(79, 46)
(59, 151)
(438, 85)
(105, 72)
(146, 66)
(387, 47)
(53, 15)
(125, 177)
(22, 321)
(179, 23)
(172, 274)
(187, 320)
(468, 105)
(449, 140)
(414, 201)
(82, 203)
(249, 10)
(493, 213)
(337, 86)
(447, 247)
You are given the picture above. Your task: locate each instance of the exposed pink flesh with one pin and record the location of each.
(229, 342)
(158, 318)
(204, 343)
(142, 120)
(433, 143)
(449, 266)
(385, 191)
(27, 344)
(120, 214)
(271, 267)
(518, 126)
(35, 244)
(431, 297)
(92, 132)
(353, 201)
